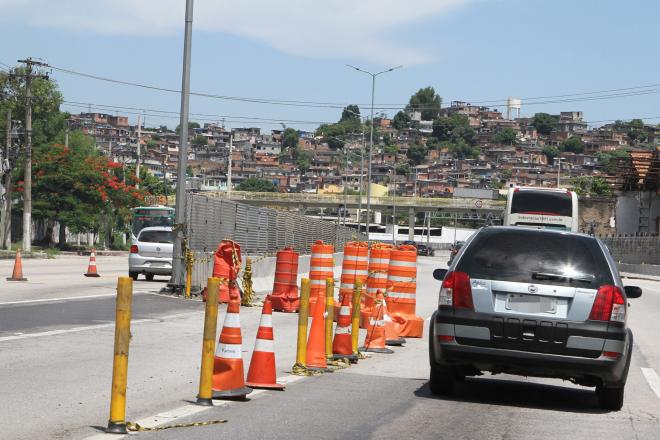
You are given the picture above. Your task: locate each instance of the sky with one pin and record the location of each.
(297, 50)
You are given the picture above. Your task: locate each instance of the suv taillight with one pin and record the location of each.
(609, 305)
(134, 249)
(456, 291)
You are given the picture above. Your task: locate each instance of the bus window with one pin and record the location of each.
(151, 216)
(542, 208)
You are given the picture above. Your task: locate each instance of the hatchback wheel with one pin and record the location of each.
(442, 380)
(149, 277)
(134, 275)
(610, 398)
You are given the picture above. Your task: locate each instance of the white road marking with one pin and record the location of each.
(93, 327)
(170, 417)
(30, 301)
(653, 380)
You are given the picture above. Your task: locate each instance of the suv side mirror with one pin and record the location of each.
(439, 274)
(631, 291)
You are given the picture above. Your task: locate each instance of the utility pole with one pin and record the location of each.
(180, 207)
(27, 179)
(137, 161)
(5, 214)
(229, 163)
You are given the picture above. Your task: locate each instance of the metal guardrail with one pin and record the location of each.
(432, 202)
(259, 231)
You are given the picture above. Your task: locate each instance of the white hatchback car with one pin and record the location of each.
(151, 253)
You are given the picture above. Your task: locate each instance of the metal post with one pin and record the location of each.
(303, 322)
(180, 207)
(411, 223)
(137, 160)
(455, 219)
(355, 315)
(229, 164)
(329, 315)
(27, 179)
(361, 174)
(5, 213)
(428, 232)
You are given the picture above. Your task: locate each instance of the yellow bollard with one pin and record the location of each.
(355, 315)
(189, 269)
(117, 422)
(329, 316)
(300, 367)
(205, 395)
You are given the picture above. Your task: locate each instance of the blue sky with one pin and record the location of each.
(471, 50)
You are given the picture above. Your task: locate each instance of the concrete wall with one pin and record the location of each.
(634, 250)
(597, 211)
(627, 212)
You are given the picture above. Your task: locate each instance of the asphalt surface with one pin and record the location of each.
(56, 362)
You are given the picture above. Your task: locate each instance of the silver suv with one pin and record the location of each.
(151, 253)
(535, 303)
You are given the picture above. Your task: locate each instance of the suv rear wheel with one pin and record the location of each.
(442, 380)
(134, 275)
(610, 398)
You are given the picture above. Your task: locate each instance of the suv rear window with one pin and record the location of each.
(536, 257)
(156, 237)
(542, 202)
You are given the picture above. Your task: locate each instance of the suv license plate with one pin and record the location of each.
(522, 303)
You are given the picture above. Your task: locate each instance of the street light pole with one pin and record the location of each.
(371, 136)
(559, 159)
(180, 207)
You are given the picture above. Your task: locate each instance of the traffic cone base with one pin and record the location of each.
(353, 358)
(17, 273)
(409, 326)
(395, 342)
(236, 393)
(377, 350)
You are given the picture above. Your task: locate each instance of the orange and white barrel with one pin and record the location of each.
(285, 286)
(402, 291)
(226, 265)
(355, 266)
(321, 267)
(379, 262)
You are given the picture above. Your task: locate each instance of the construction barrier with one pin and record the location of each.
(17, 273)
(285, 285)
(321, 267)
(374, 340)
(208, 343)
(226, 265)
(354, 265)
(91, 267)
(262, 372)
(402, 291)
(379, 262)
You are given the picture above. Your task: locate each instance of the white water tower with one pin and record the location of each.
(513, 104)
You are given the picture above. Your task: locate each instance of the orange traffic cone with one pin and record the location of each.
(375, 340)
(392, 337)
(91, 268)
(316, 343)
(262, 366)
(342, 347)
(228, 379)
(17, 274)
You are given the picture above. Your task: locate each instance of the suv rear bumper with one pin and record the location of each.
(484, 355)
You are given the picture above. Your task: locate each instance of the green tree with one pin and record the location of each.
(426, 101)
(191, 126)
(417, 154)
(290, 140)
(550, 152)
(461, 149)
(573, 144)
(544, 123)
(256, 185)
(351, 113)
(635, 131)
(455, 128)
(200, 141)
(401, 120)
(505, 136)
(304, 160)
(592, 186)
(333, 134)
(609, 160)
(402, 169)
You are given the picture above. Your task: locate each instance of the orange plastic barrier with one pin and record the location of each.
(321, 267)
(374, 340)
(402, 291)
(354, 266)
(285, 296)
(262, 372)
(379, 261)
(226, 265)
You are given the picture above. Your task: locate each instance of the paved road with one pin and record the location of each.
(55, 359)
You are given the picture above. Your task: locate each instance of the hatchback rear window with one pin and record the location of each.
(537, 258)
(156, 237)
(542, 202)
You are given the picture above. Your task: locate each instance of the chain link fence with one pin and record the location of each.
(259, 231)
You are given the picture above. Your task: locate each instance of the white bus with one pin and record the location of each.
(542, 208)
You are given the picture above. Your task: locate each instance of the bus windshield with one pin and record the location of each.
(542, 203)
(144, 217)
